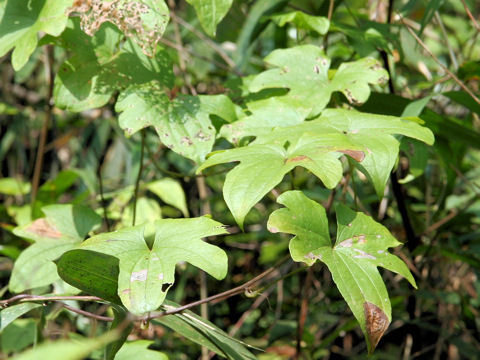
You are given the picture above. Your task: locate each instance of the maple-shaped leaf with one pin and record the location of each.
(146, 274)
(62, 229)
(305, 71)
(315, 145)
(210, 13)
(183, 124)
(361, 246)
(23, 20)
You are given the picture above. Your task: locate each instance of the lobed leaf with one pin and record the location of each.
(146, 274)
(305, 71)
(361, 246)
(317, 146)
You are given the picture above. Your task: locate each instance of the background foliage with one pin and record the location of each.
(109, 116)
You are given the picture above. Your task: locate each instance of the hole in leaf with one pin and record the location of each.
(166, 286)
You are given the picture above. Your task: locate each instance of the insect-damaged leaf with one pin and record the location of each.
(305, 71)
(361, 246)
(146, 274)
(317, 146)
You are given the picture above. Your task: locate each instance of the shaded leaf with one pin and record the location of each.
(13, 312)
(124, 326)
(139, 350)
(361, 245)
(92, 272)
(21, 22)
(204, 333)
(67, 349)
(171, 192)
(210, 13)
(303, 21)
(11, 186)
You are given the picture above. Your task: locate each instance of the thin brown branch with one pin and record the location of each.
(46, 121)
(450, 74)
(27, 298)
(467, 10)
(451, 215)
(209, 42)
(223, 295)
(302, 316)
(87, 313)
(193, 53)
(139, 176)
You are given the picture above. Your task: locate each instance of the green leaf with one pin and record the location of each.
(305, 71)
(171, 192)
(315, 145)
(67, 349)
(361, 246)
(98, 68)
(183, 125)
(147, 274)
(13, 312)
(11, 186)
(303, 21)
(64, 227)
(139, 350)
(93, 272)
(204, 333)
(125, 326)
(265, 115)
(210, 13)
(21, 22)
(368, 36)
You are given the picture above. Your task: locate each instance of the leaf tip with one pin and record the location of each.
(376, 323)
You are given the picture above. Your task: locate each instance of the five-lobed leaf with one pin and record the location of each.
(316, 145)
(361, 246)
(305, 71)
(147, 273)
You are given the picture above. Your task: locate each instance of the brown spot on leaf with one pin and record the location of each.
(42, 228)
(297, 158)
(376, 322)
(356, 155)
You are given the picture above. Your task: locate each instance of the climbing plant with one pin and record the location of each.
(178, 139)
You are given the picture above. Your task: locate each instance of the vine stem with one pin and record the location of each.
(139, 176)
(450, 74)
(223, 295)
(472, 18)
(44, 130)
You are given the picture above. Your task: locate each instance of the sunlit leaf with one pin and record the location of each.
(146, 273)
(361, 246)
